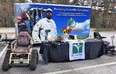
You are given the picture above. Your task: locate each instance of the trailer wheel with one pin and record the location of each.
(5, 64)
(34, 60)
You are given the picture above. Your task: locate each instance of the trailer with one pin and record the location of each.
(75, 18)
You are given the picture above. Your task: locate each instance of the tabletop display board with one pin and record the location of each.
(74, 18)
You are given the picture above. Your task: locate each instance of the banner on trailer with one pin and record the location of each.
(74, 18)
(76, 50)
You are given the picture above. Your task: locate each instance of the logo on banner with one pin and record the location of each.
(77, 48)
(77, 51)
(71, 22)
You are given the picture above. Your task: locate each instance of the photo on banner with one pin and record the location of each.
(74, 18)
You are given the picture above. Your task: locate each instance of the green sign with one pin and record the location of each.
(77, 48)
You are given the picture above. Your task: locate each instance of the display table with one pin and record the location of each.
(52, 52)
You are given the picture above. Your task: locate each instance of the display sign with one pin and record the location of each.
(76, 50)
(75, 19)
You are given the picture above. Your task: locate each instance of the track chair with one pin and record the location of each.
(107, 47)
(21, 53)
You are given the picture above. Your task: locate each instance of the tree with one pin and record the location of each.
(6, 12)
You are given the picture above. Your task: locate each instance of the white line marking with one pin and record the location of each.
(81, 68)
(5, 48)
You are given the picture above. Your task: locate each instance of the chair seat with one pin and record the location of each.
(106, 43)
(21, 50)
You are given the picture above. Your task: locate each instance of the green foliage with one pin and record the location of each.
(65, 1)
(22, 1)
(104, 29)
(43, 1)
(1, 23)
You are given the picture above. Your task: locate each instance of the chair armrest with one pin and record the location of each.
(29, 48)
(103, 37)
(13, 45)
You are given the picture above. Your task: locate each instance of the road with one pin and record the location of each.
(103, 65)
